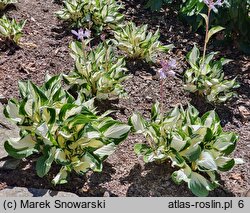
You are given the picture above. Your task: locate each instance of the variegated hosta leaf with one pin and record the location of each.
(193, 57)
(99, 72)
(206, 77)
(199, 185)
(196, 145)
(225, 142)
(20, 148)
(61, 129)
(225, 163)
(136, 43)
(117, 131)
(137, 122)
(10, 30)
(61, 177)
(182, 175)
(105, 150)
(43, 164)
(102, 14)
(206, 162)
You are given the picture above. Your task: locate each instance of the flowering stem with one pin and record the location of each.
(206, 37)
(161, 92)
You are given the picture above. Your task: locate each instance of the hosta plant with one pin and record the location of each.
(197, 146)
(137, 43)
(11, 30)
(98, 71)
(233, 15)
(4, 3)
(96, 14)
(63, 130)
(207, 78)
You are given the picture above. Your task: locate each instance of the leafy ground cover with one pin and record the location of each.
(44, 49)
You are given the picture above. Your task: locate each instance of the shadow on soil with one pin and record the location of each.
(155, 181)
(85, 186)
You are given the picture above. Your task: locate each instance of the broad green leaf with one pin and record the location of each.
(141, 149)
(205, 18)
(94, 144)
(61, 177)
(199, 185)
(105, 150)
(117, 131)
(155, 111)
(213, 31)
(192, 153)
(19, 143)
(22, 88)
(225, 163)
(43, 163)
(176, 158)
(49, 115)
(206, 162)
(81, 167)
(209, 118)
(42, 130)
(179, 176)
(137, 122)
(18, 153)
(226, 142)
(177, 143)
(60, 156)
(94, 163)
(193, 56)
(12, 111)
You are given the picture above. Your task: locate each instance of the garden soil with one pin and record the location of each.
(44, 49)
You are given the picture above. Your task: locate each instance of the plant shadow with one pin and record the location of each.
(137, 66)
(155, 181)
(61, 30)
(224, 111)
(88, 185)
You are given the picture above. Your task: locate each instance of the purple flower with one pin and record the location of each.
(166, 68)
(87, 33)
(172, 63)
(162, 73)
(81, 34)
(171, 73)
(211, 4)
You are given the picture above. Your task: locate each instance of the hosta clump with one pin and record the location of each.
(96, 14)
(137, 43)
(207, 78)
(4, 3)
(197, 146)
(11, 30)
(98, 71)
(61, 129)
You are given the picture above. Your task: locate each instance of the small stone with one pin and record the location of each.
(9, 164)
(244, 112)
(32, 192)
(149, 98)
(106, 194)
